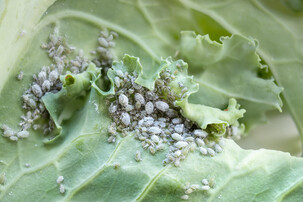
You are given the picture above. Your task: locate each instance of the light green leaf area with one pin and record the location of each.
(229, 70)
(63, 105)
(277, 25)
(148, 30)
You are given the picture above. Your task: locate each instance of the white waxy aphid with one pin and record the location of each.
(211, 151)
(177, 162)
(152, 150)
(205, 188)
(23, 134)
(177, 153)
(101, 49)
(195, 186)
(155, 138)
(46, 85)
(137, 105)
(234, 130)
(60, 50)
(221, 142)
(148, 121)
(176, 120)
(171, 113)
(154, 130)
(200, 133)
(189, 191)
(203, 150)
(177, 137)
(200, 142)
(162, 106)
(62, 189)
(123, 100)
(53, 76)
(131, 91)
(13, 138)
(111, 44)
(129, 108)
(160, 147)
(149, 107)
(119, 73)
(117, 82)
(138, 156)
(37, 90)
(218, 149)
(20, 76)
(27, 165)
(181, 144)
(179, 128)
(205, 181)
(112, 129)
(111, 139)
(125, 118)
(140, 98)
(112, 108)
(103, 42)
(8, 132)
(185, 197)
(60, 179)
(189, 139)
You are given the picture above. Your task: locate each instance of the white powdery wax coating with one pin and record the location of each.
(149, 107)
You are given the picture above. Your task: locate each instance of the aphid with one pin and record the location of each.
(8, 132)
(200, 142)
(13, 138)
(155, 138)
(154, 130)
(176, 120)
(177, 162)
(189, 139)
(218, 149)
(37, 90)
(185, 197)
(60, 179)
(129, 108)
(103, 42)
(62, 189)
(27, 165)
(112, 108)
(20, 75)
(53, 76)
(149, 107)
(101, 49)
(205, 181)
(177, 153)
(200, 133)
(181, 144)
(195, 186)
(179, 128)
(46, 85)
(131, 91)
(176, 137)
(140, 98)
(138, 156)
(123, 100)
(222, 142)
(111, 139)
(117, 82)
(162, 106)
(152, 150)
(2, 178)
(119, 73)
(111, 44)
(205, 188)
(23, 134)
(203, 150)
(211, 151)
(189, 191)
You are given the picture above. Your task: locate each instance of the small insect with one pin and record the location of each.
(176, 137)
(62, 189)
(181, 144)
(211, 151)
(162, 106)
(20, 75)
(203, 150)
(185, 197)
(149, 107)
(60, 179)
(138, 156)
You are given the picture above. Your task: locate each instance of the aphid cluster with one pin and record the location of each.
(190, 188)
(48, 80)
(59, 181)
(154, 120)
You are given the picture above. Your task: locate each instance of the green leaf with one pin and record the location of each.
(229, 70)
(278, 30)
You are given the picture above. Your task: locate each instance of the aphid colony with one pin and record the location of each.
(190, 188)
(48, 80)
(154, 119)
